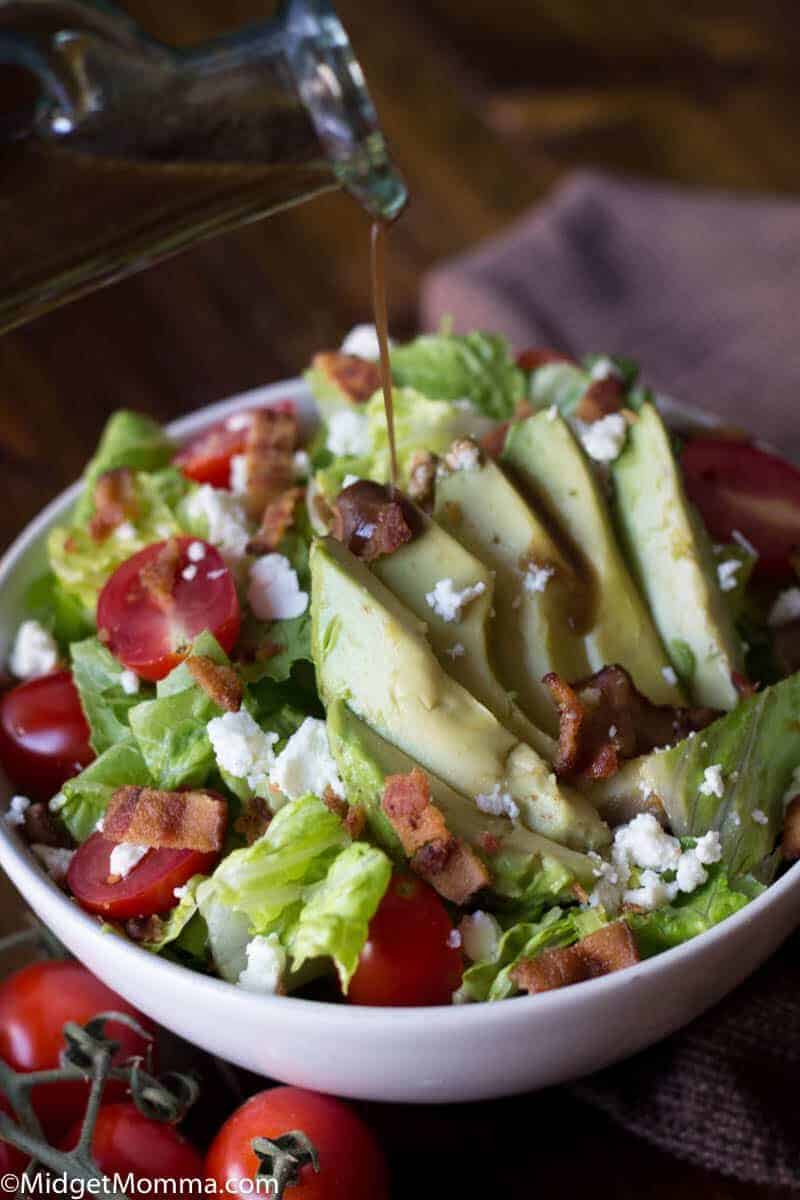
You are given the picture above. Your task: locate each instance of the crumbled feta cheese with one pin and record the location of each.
(129, 682)
(348, 433)
(713, 781)
(744, 542)
(54, 859)
(125, 531)
(708, 848)
(447, 603)
(480, 936)
(612, 880)
(17, 807)
(180, 892)
(612, 731)
(737, 820)
(603, 440)
(35, 651)
(266, 962)
(306, 764)
(57, 803)
(349, 480)
(240, 473)
(605, 368)
(274, 592)
(644, 843)
(225, 519)
(463, 455)
(552, 412)
(691, 872)
(498, 803)
(196, 552)
(653, 892)
(669, 675)
(786, 608)
(243, 748)
(760, 817)
(238, 421)
(537, 578)
(189, 572)
(301, 464)
(726, 574)
(124, 857)
(362, 341)
(455, 651)
(220, 571)
(454, 939)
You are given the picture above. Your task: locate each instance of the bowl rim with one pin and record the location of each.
(12, 848)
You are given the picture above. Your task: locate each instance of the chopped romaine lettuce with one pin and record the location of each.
(106, 704)
(476, 367)
(129, 439)
(86, 797)
(559, 384)
(691, 914)
(61, 614)
(228, 931)
(175, 922)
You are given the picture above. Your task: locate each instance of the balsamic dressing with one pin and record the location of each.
(378, 248)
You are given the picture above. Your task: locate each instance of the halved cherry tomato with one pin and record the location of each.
(737, 486)
(537, 356)
(35, 1004)
(151, 637)
(407, 958)
(206, 458)
(351, 1164)
(147, 889)
(44, 738)
(125, 1141)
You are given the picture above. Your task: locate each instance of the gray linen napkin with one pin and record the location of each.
(703, 290)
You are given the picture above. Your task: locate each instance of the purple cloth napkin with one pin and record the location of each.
(703, 290)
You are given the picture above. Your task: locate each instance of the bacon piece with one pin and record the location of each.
(357, 378)
(144, 929)
(158, 576)
(269, 458)
(166, 820)
(604, 719)
(536, 356)
(790, 841)
(253, 820)
(489, 843)
(609, 949)
(352, 815)
(452, 868)
(276, 521)
(601, 398)
(372, 521)
(114, 502)
(493, 442)
(220, 683)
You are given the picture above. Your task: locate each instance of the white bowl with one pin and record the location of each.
(442, 1054)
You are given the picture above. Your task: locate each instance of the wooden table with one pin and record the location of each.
(487, 105)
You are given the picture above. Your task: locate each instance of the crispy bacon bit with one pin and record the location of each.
(422, 479)
(220, 683)
(790, 841)
(253, 820)
(452, 868)
(580, 893)
(355, 820)
(269, 451)
(158, 576)
(743, 685)
(609, 949)
(372, 521)
(277, 520)
(43, 828)
(494, 440)
(489, 843)
(114, 502)
(357, 378)
(535, 357)
(166, 820)
(601, 398)
(604, 719)
(144, 929)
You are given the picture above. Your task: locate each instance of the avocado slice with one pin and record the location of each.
(532, 631)
(756, 747)
(461, 645)
(674, 564)
(371, 651)
(525, 863)
(544, 455)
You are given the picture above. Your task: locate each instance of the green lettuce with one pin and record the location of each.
(477, 367)
(129, 440)
(174, 924)
(86, 796)
(228, 931)
(106, 706)
(419, 423)
(563, 384)
(47, 602)
(691, 914)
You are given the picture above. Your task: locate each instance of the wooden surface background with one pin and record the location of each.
(487, 105)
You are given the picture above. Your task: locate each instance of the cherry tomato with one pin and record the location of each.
(44, 738)
(538, 356)
(351, 1164)
(126, 1141)
(206, 458)
(12, 1160)
(147, 889)
(407, 958)
(35, 1004)
(736, 486)
(151, 637)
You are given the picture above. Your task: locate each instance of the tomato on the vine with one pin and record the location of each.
(44, 737)
(125, 1141)
(351, 1164)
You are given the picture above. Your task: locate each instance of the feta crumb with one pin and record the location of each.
(786, 608)
(189, 572)
(760, 817)
(100, 824)
(348, 433)
(454, 939)
(605, 368)
(301, 464)
(306, 764)
(243, 749)
(124, 857)
(708, 848)
(670, 676)
(447, 603)
(129, 682)
(480, 936)
(653, 892)
(35, 651)
(17, 807)
(274, 591)
(691, 872)
(180, 892)
(737, 820)
(612, 731)
(196, 552)
(726, 574)
(713, 781)
(552, 412)
(612, 879)
(220, 571)
(57, 803)
(744, 542)
(498, 803)
(225, 519)
(463, 455)
(349, 480)
(603, 440)
(238, 421)
(266, 962)
(645, 844)
(536, 578)
(455, 651)
(240, 474)
(362, 341)
(125, 532)
(54, 859)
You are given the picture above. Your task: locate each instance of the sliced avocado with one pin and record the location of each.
(545, 457)
(523, 863)
(461, 645)
(371, 651)
(756, 747)
(532, 631)
(673, 561)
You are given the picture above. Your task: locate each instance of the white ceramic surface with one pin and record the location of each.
(421, 1055)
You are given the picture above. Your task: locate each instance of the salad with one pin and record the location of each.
(525, 719)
